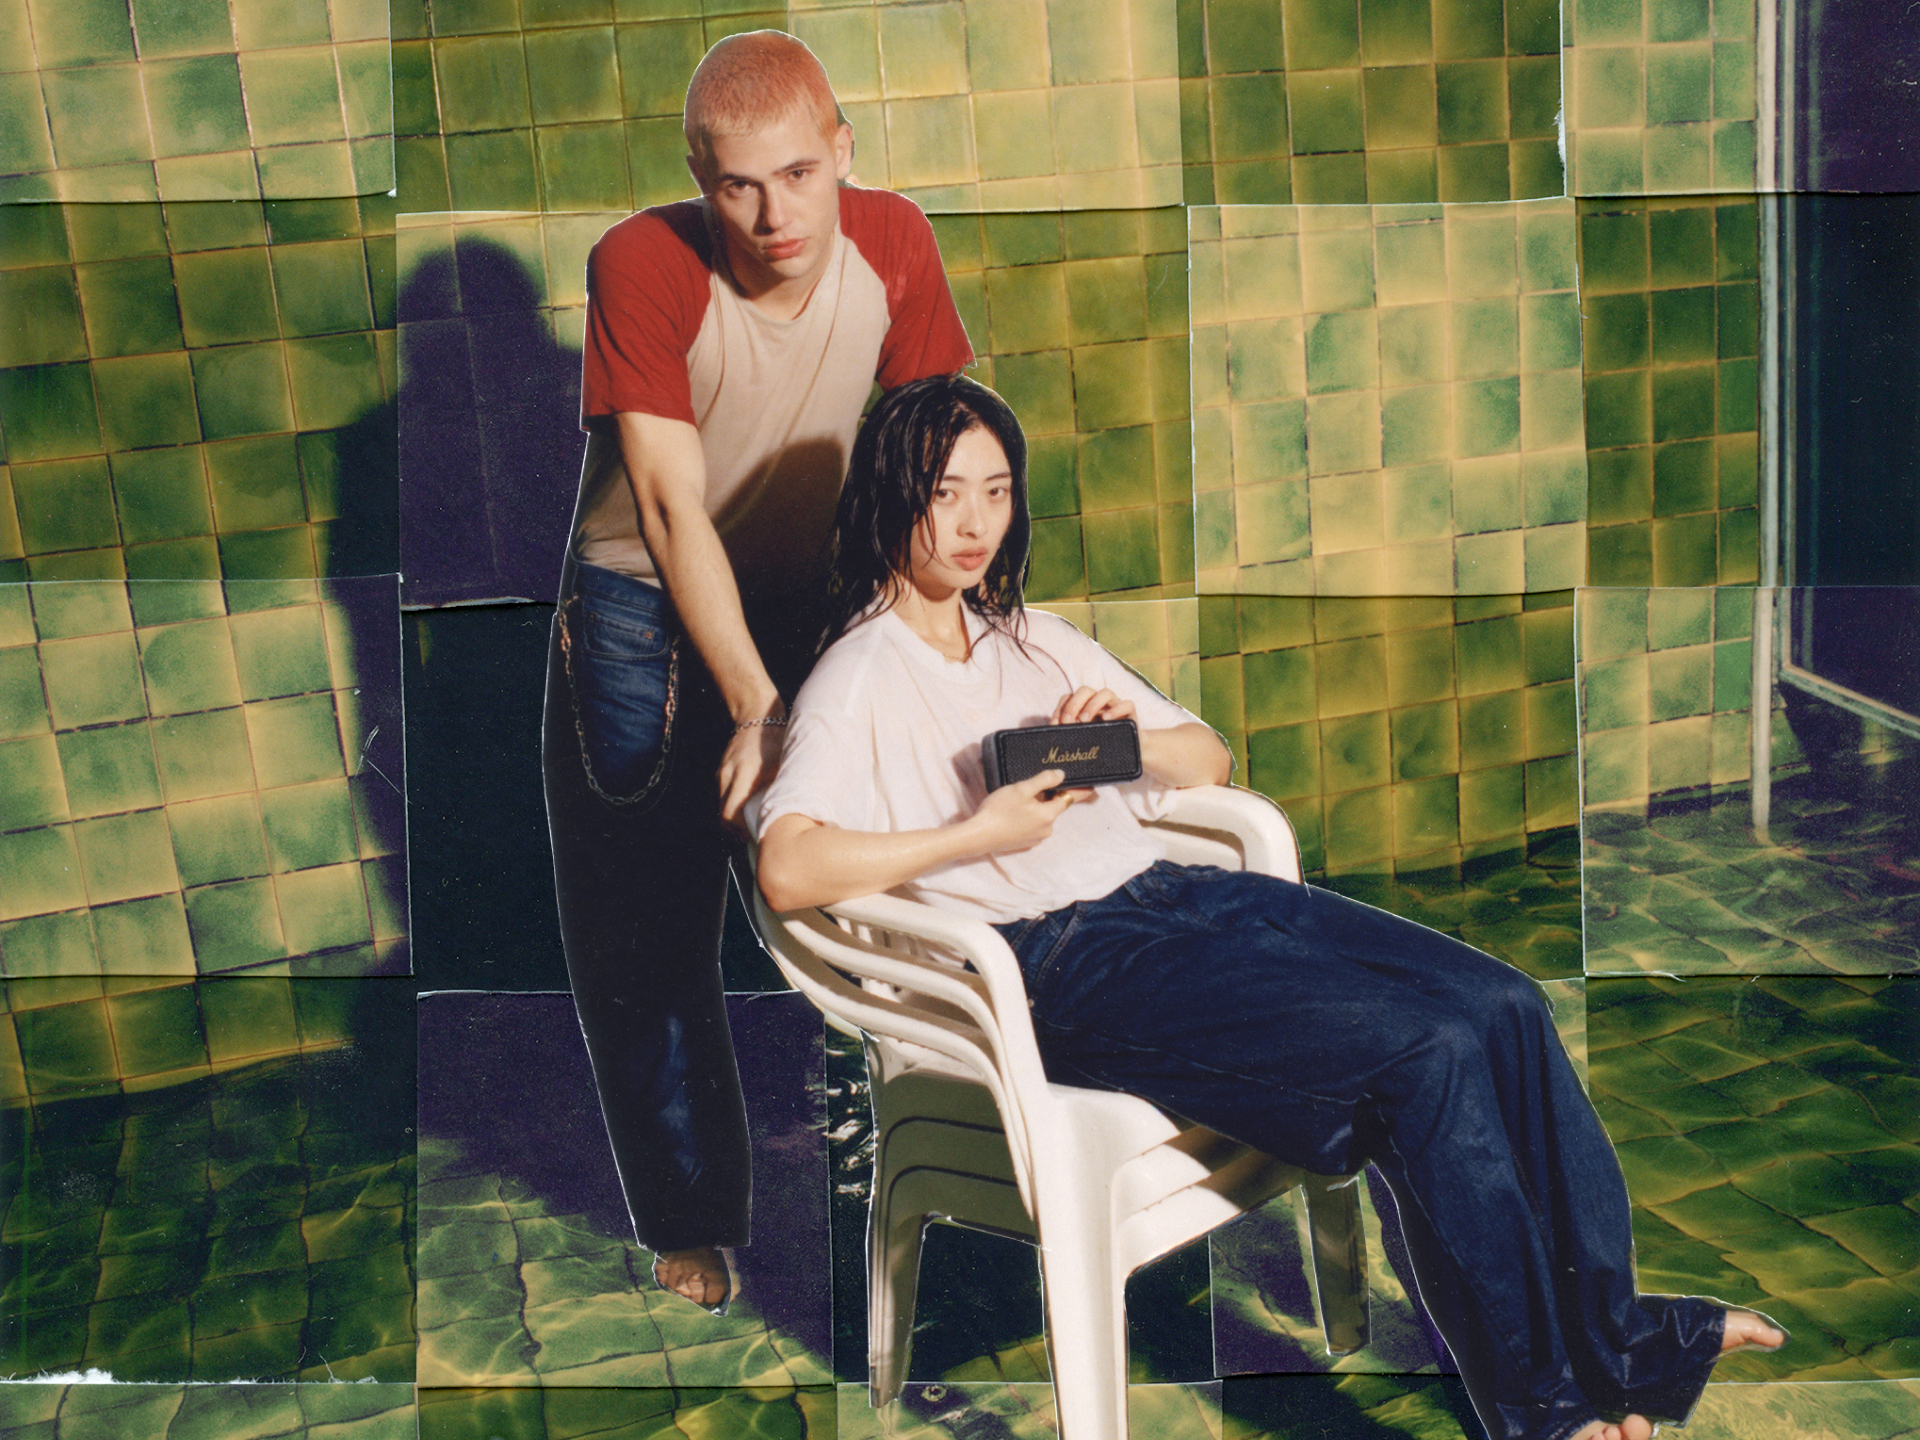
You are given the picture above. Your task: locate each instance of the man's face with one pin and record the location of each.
(776, 192)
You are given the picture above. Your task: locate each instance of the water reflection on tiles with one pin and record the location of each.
(208, 1181)
(529, 1272)
(378, 1411)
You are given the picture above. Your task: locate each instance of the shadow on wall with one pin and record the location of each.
(490, 443)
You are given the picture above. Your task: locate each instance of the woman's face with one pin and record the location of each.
(972, 507)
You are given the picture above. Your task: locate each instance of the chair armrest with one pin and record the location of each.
(1260, 826)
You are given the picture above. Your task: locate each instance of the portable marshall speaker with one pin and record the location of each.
(1102, 752)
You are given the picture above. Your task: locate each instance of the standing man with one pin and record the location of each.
(732, 342)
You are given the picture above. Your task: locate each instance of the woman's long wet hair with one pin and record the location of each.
(899, 459)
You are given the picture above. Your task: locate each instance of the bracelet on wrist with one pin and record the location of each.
(779, 721)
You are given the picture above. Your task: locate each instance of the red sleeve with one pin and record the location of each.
(648, 287)
(924, 333)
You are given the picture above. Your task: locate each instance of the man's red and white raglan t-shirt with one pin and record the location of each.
(776, 402)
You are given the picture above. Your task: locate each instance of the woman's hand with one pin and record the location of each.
(1021, 815)
(1088, 704)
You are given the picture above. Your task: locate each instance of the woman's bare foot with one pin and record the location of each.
(1747, 1330)
(1634, 1427)
(699, 1275)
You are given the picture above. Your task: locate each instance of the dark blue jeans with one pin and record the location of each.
(1330, 1034)
(634, 731)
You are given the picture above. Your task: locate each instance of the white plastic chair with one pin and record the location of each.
(969, 1128)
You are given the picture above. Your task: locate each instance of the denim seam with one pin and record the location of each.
(652, 783)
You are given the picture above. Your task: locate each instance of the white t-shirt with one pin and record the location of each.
(885, 736)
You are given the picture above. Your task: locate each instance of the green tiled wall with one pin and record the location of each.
(551, 250)
(1670, 319)
(1081, 323)
(1329, 102)
(1401, 735)
(1666, 686)
(1387, 401)
(77, 1037)
(221, 100)
(962, 104)
(193, 390)
(1660, 96)
(1159, 638)
(178, 1412)
(183, 783)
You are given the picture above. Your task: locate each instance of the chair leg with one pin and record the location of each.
(1332, 1233)
(893, 1281)
(1086, 1330)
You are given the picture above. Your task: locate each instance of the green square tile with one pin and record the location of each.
(1112, 385)
(1679, 682)
(64, 505)
(146, 937)
(63, 1047)
(1469, 173)
(44, 314)
(265, 554)
(1683, 478)
(572, 75)
(1122, 550)
(1679, 618)
(97, 116)
(1279, 687)
(1681, 243)
(167, 602)
(1685, 550)
(161, 494)
(196, 106)
(242, 391)
(226, 296)
(495, 171)
(1426, 741)
(1472, 100)
(1550, 407)
(25, 148)
(1619, 409)
(261, 23)
(116, 232)
(1550, 332)
(280, 652)
(1614, 248)
(293, 96)
(1029, 308)
(1482, 252)
(1057, 567)
(1358, 829)
(1533, 96)
(1342, 352)
(1414, 346)
(1549, 246)
(1336, 270)
(1265, 359)
(323, 909)
(218, 839)
(1492, 804)
(1492, 729)
(1555, 487)
(1488, 656)
(1738, 321)
(1325, 112)
(1486, 417)
(233, 925)
(130, 307)
(336, 380)
(1683, 402)
(1684, 327)
(1116, 469)
(322, 288)
(1343, 433)
(256, 483)
(1426, 815)
(1395, 32)
(1321, 34)
(1355, 752)
(1402, 177)
(203, 754)
(156, 1031)
(1418, 500)
(1241, 37)
(1415, 425)
(182, 27)
(48, 412)
(1487, 495)
(1330, 179)
(1486, 338)
(1679, 84)
(1733, 675)
(1106, 300)
(86, 32)
(146, 400)
(309, 825)
(39, 872)
(189, 668)
(295, 740)
(1401, 109)
(1270, 443)
(23, 707)
(92, 681)
(1738, 401)
(1285, 762)
(108, 770)
(125, 857)
(584, 167)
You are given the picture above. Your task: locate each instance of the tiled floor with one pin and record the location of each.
(1834, 887)
(178, 1412)
(253, 1225)
(528, 1272)
(1766, 1127)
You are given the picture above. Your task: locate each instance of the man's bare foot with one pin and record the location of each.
(1747, 1330)
(699, 1275)
(1634, 1427)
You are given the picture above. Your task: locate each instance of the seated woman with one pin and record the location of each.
(1313, 1027)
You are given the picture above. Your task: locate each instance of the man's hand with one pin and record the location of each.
(1019, 816)
(748, 766)
(1088, 704)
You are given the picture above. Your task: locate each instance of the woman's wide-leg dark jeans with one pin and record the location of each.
(640, 871)
(1331, 1034)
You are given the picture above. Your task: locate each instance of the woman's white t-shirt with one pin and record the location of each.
(885, 736)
